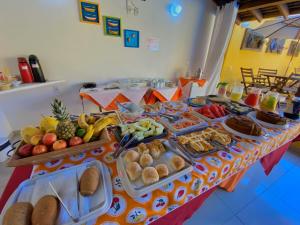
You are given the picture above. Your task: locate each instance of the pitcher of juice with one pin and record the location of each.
(269, 102)
(237, 93)
(253, 96)
(222, 88)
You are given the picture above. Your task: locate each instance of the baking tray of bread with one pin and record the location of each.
(205, 141)
(74, 195)
(269, 120)
(148, 167)
(187, 122)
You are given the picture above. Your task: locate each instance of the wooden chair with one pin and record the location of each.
(262, 72)
(291, 84)
(250, 81)
(297, 70)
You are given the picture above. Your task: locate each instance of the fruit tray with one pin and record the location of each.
(188, 122)
(16, 160)
(138, 188)
(213, 113)
(84, 209)
(117, 133)
(101, 114)
(196, 155)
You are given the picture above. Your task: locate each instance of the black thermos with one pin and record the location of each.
(36, 69)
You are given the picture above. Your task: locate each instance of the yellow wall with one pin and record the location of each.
(236, 58)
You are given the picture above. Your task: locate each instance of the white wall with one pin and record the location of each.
(78, 52)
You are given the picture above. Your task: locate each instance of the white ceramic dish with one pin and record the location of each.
(265, 124)
(64, 181)
(138, 188)
(234, 132)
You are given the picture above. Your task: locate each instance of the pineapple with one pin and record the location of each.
(65, 128)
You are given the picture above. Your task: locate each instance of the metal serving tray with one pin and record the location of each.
(138, 188)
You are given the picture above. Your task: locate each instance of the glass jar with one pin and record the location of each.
(253, 96)
(269, 102)
(236, 93)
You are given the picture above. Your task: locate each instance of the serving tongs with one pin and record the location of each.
(75, 219)
(123, 148)
(171, 118)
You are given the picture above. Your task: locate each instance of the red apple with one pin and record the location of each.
(25, 150)
(60, 144)
(49, 138)
(75, 141)
(39, 149)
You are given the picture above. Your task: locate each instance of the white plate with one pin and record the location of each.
(269, 125)
(137, 188)
(64, 181)
(234, 132)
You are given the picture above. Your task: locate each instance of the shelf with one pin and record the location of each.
(31, 86)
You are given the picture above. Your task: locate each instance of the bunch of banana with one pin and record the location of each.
(101, 123)
(82, 122)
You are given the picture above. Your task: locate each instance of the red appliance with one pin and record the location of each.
(25, 70)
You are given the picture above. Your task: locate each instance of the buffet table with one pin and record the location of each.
(179, 199)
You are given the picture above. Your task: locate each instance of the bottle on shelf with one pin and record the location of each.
(25, 70)
(36, 69)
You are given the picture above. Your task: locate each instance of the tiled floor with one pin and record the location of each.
(257, 200)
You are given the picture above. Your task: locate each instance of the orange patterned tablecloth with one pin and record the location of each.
(209, 171)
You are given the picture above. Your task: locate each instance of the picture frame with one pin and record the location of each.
(89, 12)
(131, 38)
(252, 40)
(275, 45)
(112, 26)
(294, 49)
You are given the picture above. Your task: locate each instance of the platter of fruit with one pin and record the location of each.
(60, 135)
(144, 130)
(213, 112)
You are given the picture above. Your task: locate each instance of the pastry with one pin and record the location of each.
(146, 160)
(45, 211)
(162, 170)
(133, 170)
(270, 118)
(18, 214)
(177, 162)
(131, 156)
(89, 181)
(150, 175)
(156, 149)
(142, 148)
(244, 125)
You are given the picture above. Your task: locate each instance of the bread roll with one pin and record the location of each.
(154, 151)
(150, 175)
(146, 160)
(131, 156)
(89, 181)
(142, 148)
(133, 170)
(18, 214)
(177, 162)
(45, 211)
(162, 170)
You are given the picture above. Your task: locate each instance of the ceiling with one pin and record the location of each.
(261, 9)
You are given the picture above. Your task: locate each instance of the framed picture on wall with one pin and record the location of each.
(294, 49)
(275, 45)
(89, 12)
(112, 26)
(252, 40)
(131, 38)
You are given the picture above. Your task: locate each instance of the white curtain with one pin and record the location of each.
(223, 26)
